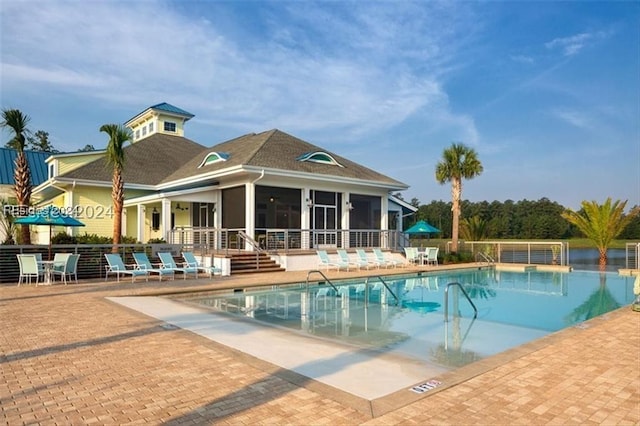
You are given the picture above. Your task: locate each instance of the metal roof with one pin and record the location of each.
(37, 166)
(171, 108)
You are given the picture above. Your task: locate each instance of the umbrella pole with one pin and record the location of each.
(50, 242)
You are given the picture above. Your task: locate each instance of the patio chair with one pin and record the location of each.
(382, 260)
(28, 268)
(116, 266)
(431, 256)
(345, 261)
(412, 255)
(168, 263)
(364, 261)
(59, 262)
(192, 262)
(69, 268)
(326, 262)
(143, 263)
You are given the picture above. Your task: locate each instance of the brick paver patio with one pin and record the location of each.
(68, 356)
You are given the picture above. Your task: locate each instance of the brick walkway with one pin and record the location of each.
(68, 356)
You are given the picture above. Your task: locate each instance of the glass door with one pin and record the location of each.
(324, 225)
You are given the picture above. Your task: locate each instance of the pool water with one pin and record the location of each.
(405, 314)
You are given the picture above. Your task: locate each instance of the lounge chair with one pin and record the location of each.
(116, 266)
(364, 261)
(383, 261)
(69, 268)
(143, 263)
(326, 262)
(168, 263)
(192, 262)
(344, 260)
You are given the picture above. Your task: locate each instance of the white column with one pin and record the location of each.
(165, 226)
(305, 217)
(249, 212)
(141, 210)
(345, 224)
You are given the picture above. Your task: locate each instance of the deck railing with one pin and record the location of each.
(538, 252)
(632, 255)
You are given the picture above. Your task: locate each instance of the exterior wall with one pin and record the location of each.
(68, 163)
(95, 209)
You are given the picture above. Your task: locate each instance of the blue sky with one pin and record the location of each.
(547, 93)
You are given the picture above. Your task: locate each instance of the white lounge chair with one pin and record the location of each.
(168, 263)
(326, 262)
(192, 262)
(344, 260)
(383, 261)
(364, 261)
(116, 266)
(143, 263)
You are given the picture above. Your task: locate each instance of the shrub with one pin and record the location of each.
(156, 241)
(63, 238)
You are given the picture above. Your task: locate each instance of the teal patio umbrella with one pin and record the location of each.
(50, 216)
(422, 228)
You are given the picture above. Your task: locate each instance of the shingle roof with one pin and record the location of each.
(147, 162)
(37, 166)
(275, 149)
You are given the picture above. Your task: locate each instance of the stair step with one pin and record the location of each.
(245, 263)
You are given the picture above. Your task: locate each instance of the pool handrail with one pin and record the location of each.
(323, 276)
(385, 284)
(446, 301)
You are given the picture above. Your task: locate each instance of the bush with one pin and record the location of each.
(156, 241)
(460, 257)
(93, 239)
(64, 238)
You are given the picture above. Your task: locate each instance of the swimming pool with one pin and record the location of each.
(405, 314)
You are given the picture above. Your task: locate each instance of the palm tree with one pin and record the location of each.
(458, 162)
(474, 228)
(118, 135)
(17, 122)
(601, 223)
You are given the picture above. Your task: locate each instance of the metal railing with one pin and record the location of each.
(366, 283)
(208, 240)
(316, 271)
(446, 301)
(632, 255)
(529, 252)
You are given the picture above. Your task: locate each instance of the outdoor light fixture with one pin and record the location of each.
(349, 205)
(178, 207)
(155, 219)
(272, 199)
(309, 203)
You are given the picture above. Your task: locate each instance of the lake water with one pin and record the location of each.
(587, 259)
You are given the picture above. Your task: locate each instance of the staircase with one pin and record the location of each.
(245, 263)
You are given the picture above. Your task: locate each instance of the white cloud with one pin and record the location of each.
(330, 68)
(575, 118)
(573, 44)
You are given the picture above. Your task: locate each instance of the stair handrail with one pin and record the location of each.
(486, 257)
(317, 271)
(366, 282)
(253, 243)
(446, 301)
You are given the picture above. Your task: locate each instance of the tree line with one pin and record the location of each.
(524, 219)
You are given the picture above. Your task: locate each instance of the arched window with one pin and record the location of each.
(214, 157)
(319, 157)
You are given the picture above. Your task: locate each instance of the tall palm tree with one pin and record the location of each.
(118, 135)
(15, 120)
(601, 223)
(458, 162)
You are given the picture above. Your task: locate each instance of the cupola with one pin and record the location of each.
(161, 118)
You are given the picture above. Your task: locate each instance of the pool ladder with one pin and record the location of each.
(317, 271)
(446, 301)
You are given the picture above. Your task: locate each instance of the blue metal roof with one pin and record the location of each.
(170, 108)
(37, 166)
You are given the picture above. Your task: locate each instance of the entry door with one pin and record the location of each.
(324, 225)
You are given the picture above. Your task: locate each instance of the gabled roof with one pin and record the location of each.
(147, 162)
(275, 149)
(37, 166)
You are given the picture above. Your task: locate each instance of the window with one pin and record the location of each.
(319, 157)
(144, 131)
(52, 170)
(138, 134)
(151, 127)
(214, 157)
(169, 126)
